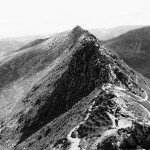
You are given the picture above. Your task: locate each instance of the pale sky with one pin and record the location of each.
(31, 17)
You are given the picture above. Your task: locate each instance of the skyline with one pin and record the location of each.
(35, 17)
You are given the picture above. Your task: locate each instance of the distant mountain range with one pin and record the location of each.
(134, 48)
(109, 33)
(11, 44)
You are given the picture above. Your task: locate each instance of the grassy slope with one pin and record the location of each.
(22, 69)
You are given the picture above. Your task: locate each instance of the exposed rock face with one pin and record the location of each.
(89, 99)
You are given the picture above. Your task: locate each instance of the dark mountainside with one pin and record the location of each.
(76, 95)
(134, 48)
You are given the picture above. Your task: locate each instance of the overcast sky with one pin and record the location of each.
(30, 17)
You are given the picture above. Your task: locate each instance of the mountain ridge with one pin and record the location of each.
(88, 99)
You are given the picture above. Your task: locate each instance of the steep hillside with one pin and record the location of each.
(109, 33)
(84, 97)
(22, 69)
(134, 48)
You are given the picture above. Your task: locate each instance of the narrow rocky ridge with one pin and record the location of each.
(112, 117)
(116, 119)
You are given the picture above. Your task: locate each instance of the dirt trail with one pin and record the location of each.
(75, 141)
(122, 123)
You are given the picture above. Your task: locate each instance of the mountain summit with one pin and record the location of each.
(86, 97)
